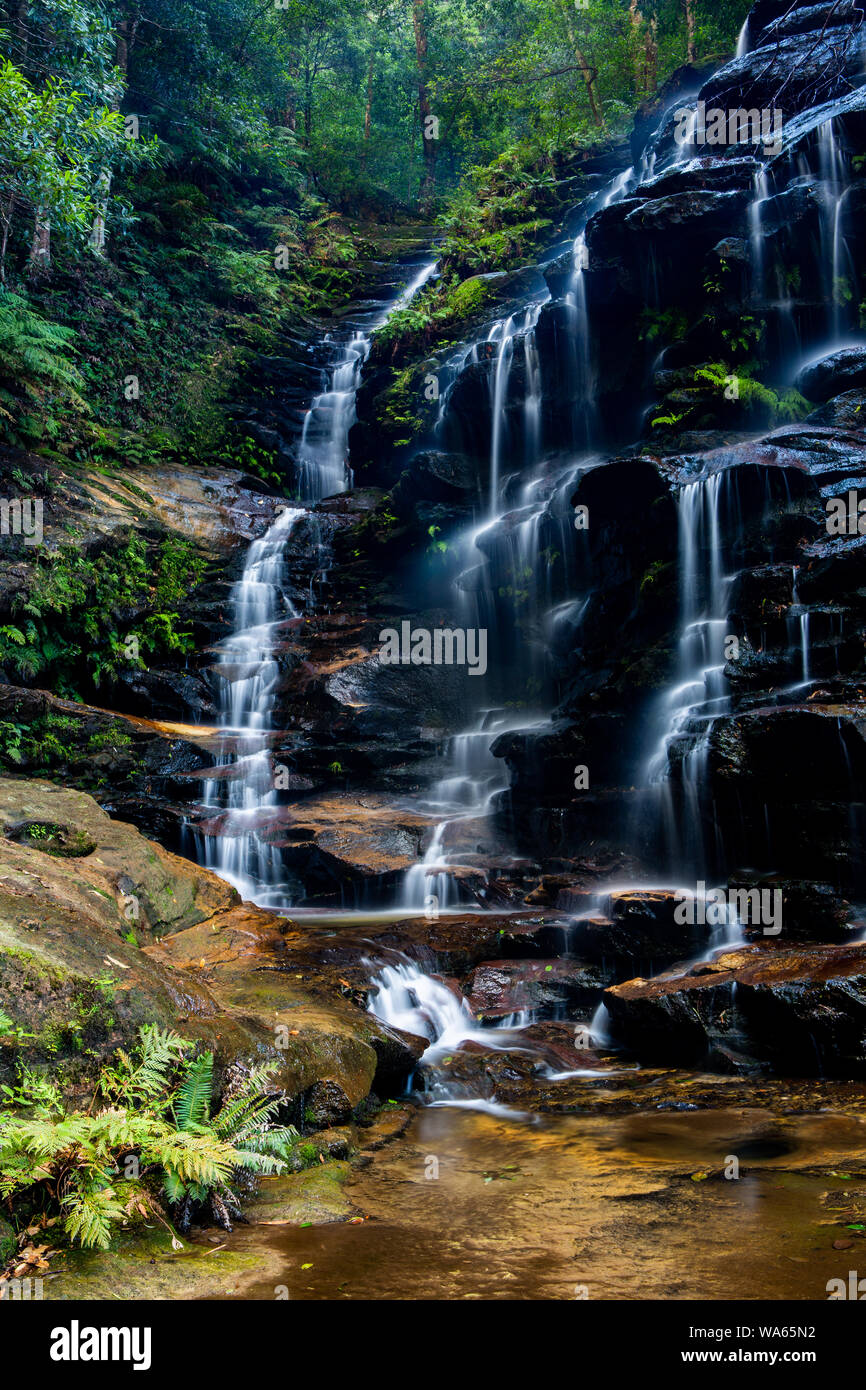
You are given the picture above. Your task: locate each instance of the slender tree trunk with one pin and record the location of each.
(39, 262)
(636, 21)
(368, 108)
(691, 48)
(20, 16)
(428, 120)
(587, 72)
(6, 218)
(651, 51)
(96, 240)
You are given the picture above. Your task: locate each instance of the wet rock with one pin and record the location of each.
(326, 1104)
(496, 989)
(710, 210)
(141, 886)
(846, 411)
(796, 71)
(336, 844)
(684, 83)
(809, 911)
(800, 1010)
(638, 925)
(839, 371)
(397, 1054)
(798, 20)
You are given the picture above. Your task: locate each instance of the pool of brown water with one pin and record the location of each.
(468, 1205)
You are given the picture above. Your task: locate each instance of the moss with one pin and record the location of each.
(397, 406)
(467, 297)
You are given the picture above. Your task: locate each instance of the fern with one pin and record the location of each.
(91, 1213)
(146, 1079)
(158, 1112)
(36, 365)
(192, 1106)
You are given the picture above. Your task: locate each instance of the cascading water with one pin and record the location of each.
(520, 520)
(405, 997)
(699, 695)
(241, 800)
(248, 674)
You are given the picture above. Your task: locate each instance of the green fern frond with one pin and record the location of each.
(192, 1104)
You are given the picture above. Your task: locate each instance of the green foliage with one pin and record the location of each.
(153, 1140)
(102, 613)
(38, 378)
(753, 396)
(662, 325)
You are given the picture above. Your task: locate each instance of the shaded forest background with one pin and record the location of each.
(181, 182)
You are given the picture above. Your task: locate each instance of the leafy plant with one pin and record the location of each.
(38, 377)
(153, 1141)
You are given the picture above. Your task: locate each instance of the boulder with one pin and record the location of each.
(799, 1010)
(637, 925)
(496, 989)
(831, 375)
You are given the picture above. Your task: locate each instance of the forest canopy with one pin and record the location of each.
(396, 96)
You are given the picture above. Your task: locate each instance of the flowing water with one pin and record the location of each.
(241, 800)
(526, 511)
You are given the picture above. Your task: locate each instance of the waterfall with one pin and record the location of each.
(699, 693)
(799, 617)
(323, 454)
(743, 40)
(405, 997)
(240, 803)
(248, 674)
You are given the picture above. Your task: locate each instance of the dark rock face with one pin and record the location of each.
(639, 927)
(791, 71)
(498, 989)
(840, 371)
(801, 1011)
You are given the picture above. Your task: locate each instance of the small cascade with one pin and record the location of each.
(756, 237)
(240, 804)
(743, 46)
(466, 794)
(699, 694)
(834, 175)
(584, 425)
(247, 673)
(421, 1004)
(323, 454)
(504, 334)
(798, 616)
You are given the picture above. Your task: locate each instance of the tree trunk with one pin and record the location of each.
(96, 240)
(636, 21)
(691, 49)
(121, 46)
(40, 247)
(368, 108)
(6, 219)
(651, 51)
(587, 72)
(20, 16)
(428, 137)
